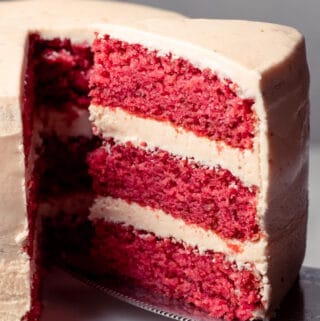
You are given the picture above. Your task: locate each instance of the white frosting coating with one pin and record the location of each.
(12, 203)
(267, 61)
(125, 127)
(14, 283)
(14, 264)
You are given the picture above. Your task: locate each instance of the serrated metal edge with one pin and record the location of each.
(124, 298)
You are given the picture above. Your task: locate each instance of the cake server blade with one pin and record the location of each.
(301, 304)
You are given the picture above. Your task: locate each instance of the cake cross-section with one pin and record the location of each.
(171, 153)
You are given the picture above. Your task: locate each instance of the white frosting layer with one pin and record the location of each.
(59, 123)
(125, 127)
(165, 226)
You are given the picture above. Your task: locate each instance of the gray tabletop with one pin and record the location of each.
(313, 241)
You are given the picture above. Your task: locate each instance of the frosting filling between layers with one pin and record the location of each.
(165, 226)
(124, 127)
(72, 122)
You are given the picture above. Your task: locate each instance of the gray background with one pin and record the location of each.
(303, 15)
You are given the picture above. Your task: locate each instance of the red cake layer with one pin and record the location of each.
(62, 165)
(67, 230)
(62, 70)
(176, 270)
(34, 313)
(32, 183)
(168, 89)
(56, 77)
(211, 198)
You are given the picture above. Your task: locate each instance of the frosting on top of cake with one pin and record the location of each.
(255, 46)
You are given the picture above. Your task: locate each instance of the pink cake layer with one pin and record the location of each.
(211, 198)
(169, 89)
(206, 281)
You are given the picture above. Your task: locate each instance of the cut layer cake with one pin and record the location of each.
(171, 152)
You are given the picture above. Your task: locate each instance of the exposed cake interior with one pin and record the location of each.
(68, 167)
(170, 89)
(56, 87)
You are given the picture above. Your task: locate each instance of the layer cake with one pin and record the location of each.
(172, 152)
